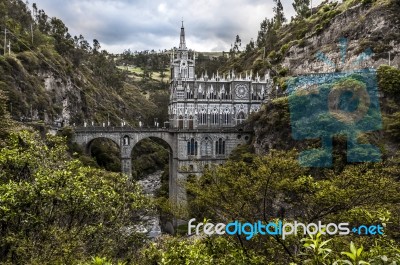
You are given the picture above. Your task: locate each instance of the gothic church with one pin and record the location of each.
(216, 102)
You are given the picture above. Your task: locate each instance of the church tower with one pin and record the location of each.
(182, 63)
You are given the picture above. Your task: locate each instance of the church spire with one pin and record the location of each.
(182, 44)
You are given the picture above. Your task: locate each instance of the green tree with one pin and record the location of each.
(237, 44)
(54, 210)
(279, 16)
(202, 251)
(96, 46)
(267, 36)
(301, 7)
(250, 46)
(389, 80)
(275, 186)
(64, 42)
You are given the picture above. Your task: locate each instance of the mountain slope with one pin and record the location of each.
(292, 48)
(364, 25)
(51, 76)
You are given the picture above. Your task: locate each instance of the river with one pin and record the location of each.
(150, 184)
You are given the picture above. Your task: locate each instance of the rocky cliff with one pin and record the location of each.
(291, 49)
(365, 26)
(338, 37)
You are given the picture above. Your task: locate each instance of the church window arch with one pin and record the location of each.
(240, 117)
(190, 122)
(202, 117)
(180, 122)
(225, 117)
(220, 147)
(206, 147)
(191, 147)
(215, 117)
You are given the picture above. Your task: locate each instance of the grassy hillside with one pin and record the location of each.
(51, 76)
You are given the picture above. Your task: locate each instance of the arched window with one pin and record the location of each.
(199, 94)
(189, 93)
(126, 140)
(192, 147)
(190, 122)
(225, 118)
(180, 122)
(214, 118)
(240, 118)
(206, 147)
(202, 119)
(220, 147)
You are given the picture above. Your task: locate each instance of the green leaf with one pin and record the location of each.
(353, 248)
(359, 251)
(350, 255)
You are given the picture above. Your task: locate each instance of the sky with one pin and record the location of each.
(155, 24)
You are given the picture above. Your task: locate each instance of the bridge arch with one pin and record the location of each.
(106, 153)
(167, 183)
(141, 136)
(89, 144)
(168, 139)
(126, 139)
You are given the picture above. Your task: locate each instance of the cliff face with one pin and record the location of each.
(375, 26)
(291, 49)
(63, 94)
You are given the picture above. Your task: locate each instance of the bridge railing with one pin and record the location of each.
(127, 129)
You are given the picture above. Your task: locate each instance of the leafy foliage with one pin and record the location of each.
(389, 80)
(149, 156)
(275, 186)
(54, 210)
(316, 249)
(5, 121)
(301, 7)
(197, 251)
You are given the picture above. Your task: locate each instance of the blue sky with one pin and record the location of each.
(155, 24)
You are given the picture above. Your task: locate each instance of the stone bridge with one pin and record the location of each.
(190, 151)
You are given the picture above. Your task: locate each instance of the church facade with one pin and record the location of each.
(204, 113)
(210, 102)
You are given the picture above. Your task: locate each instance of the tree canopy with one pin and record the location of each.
(55, 210)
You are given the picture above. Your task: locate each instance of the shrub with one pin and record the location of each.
(389, 80)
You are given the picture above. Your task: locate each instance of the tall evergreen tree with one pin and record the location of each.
(238, 43)
(279, 16)
(301, 7)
